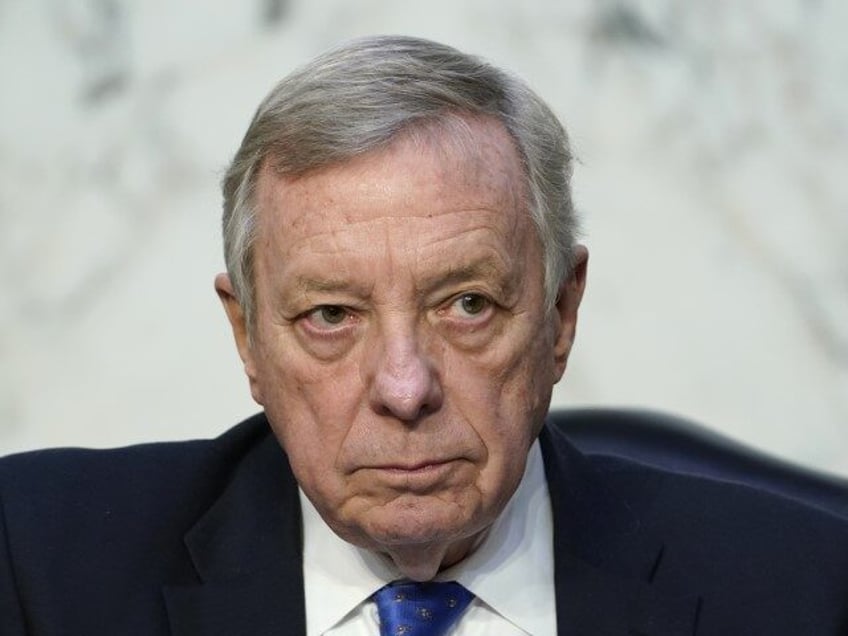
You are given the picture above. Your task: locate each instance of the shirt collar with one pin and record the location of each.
(339, 576)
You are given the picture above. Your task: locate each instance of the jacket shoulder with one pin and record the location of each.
(756, 559)
(88, 537)
(52, 493)
(55, 473)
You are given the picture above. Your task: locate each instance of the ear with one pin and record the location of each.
(565, 312)
(232, 307)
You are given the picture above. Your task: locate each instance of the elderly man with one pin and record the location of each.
(403, 285)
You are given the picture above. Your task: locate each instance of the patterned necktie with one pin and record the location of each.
(420, 609)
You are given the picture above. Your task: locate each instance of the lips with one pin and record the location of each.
(416, 467)
(420, 476)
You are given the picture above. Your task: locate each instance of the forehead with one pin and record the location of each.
(426, 186)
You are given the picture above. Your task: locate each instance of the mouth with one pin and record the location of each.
(413, 468)
(418, 476)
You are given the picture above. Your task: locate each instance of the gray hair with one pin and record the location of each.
(362, 95)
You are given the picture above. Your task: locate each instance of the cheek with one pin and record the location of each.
(505, 394)
(292, 379)
(311, 407)
(513, 376)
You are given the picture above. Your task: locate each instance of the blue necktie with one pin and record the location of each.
(420, 609)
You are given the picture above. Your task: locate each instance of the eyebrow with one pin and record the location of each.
(305, 284)
(488, 269)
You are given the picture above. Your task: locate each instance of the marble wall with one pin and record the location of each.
(712, 145)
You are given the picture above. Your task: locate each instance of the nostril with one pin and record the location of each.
(407, 406)
(401, 413)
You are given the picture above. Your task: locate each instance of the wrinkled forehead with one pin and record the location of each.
(449, 153)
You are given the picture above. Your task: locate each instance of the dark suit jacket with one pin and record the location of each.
(204, 538)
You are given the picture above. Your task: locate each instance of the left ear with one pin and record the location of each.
(565, 311)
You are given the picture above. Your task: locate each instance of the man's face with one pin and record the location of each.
(401, 347)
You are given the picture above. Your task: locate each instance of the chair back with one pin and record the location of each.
(679, 445)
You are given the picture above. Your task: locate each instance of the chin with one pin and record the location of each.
(413, 523)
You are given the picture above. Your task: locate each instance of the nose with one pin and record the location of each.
(404, 383)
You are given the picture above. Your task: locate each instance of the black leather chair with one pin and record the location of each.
(679, 445)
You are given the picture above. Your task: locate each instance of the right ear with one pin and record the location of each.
(235, 314)
(568, 302)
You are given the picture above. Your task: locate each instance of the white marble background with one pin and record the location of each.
(713, 156)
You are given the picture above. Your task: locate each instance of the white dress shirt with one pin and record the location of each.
(511, 573)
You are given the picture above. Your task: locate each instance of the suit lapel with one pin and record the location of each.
(604, 559)
(246, 550)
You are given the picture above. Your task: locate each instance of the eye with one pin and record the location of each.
(327, 316)
(471, 304)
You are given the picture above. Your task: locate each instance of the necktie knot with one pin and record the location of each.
(420, 609)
